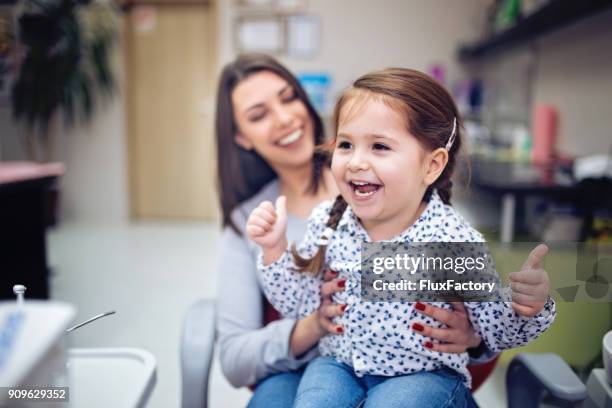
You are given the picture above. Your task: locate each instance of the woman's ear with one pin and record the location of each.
(243, 142)
(435, 163)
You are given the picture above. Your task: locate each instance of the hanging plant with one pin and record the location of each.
(64, 67)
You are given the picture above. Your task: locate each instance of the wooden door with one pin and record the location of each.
(170, 107)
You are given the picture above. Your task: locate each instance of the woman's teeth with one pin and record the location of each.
(290, 138)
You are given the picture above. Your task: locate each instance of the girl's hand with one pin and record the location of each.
(456, 338)
(267, 225)
(328, 309)
(530, 286)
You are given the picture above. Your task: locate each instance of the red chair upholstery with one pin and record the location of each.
(480, 372)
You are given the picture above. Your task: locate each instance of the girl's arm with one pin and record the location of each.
(248, 351)
(504, 325)
(293, 293)
(502, 328)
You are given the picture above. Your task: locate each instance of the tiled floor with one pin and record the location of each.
(150, 273)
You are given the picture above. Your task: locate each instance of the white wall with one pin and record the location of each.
(574, 71)
(362, 35)
(357, 36)
(573, 66)
(95, 184)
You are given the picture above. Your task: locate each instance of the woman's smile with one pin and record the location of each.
(292, 139)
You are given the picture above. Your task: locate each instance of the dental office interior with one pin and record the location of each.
(109, 204)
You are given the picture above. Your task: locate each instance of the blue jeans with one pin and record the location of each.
(276, 391)
(327, 383)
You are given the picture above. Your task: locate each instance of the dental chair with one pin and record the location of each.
(530, 380)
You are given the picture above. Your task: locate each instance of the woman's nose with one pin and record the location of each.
(283, 116)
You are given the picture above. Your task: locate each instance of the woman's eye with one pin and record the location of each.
(257, 117)
(380, 146)
(344, 145)
(289, 97)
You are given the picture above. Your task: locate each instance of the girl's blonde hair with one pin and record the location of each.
(430, 114)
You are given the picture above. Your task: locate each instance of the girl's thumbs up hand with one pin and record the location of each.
(531, 285)
(267, 226)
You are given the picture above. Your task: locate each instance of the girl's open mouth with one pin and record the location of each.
(363, 188)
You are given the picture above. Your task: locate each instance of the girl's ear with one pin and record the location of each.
(435, 163)
(243, 142)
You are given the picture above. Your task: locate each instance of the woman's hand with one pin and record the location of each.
(531, 285)
(309, 330)
(457, 337)
(328, 309)
(267, 227)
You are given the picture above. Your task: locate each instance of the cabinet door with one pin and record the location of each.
(170, 107)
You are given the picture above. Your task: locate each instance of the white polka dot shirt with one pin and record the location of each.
(378, 338)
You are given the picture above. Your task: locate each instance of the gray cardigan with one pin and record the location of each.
(248, 351)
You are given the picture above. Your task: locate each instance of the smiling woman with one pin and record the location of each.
(273, 121)
(264, 124)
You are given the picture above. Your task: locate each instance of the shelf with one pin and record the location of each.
(551, 17)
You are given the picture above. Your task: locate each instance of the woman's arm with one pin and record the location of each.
(309, 330)
(248, 351)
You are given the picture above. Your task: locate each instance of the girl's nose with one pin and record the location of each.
(358, 162)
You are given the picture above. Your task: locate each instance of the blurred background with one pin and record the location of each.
(107, 157)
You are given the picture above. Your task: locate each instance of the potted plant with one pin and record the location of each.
(64, 68)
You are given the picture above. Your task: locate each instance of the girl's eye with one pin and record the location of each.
(380, 146)
(344, 145)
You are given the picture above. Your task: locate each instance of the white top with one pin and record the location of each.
(377, 339)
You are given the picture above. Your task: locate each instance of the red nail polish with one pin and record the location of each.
(333, 272)
(343, 308)
(428, 344)
(417, 327)
(339, 330)
(342, 283)
(419, 306)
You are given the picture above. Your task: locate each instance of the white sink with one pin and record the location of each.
(110, 377)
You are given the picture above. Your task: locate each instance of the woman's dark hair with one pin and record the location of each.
(242, 173)
(429, 112)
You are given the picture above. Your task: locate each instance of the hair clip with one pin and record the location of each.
(451, 139)
(326, 236)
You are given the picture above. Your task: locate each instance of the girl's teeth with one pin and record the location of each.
(360, 194)
(291, 138)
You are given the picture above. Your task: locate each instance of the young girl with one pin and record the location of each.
(398, 135)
